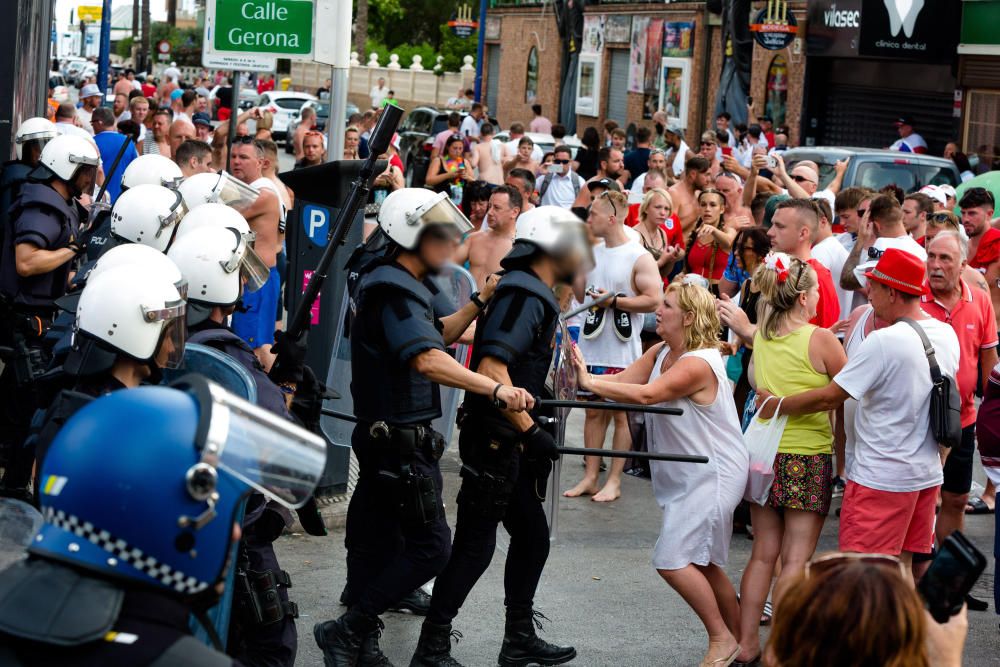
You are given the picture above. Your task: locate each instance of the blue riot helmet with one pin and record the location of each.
(143, 485)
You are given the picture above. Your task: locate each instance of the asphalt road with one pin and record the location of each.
(599, 588)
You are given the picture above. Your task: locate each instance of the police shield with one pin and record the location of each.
(223, 370)
(19, 522)
(216, 366)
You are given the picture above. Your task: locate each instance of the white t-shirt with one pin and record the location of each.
(561, 191)
(469, 127)
(832, 254)
(378, 94)
(635, 194)
(890, 378)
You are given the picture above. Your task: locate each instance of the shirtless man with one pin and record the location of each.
(731, 187)
(610, 164)
(255, 325)
(306, 124)
(158, 139)
(684, 193)
(221, 136)
(483, 154)
(484, 249)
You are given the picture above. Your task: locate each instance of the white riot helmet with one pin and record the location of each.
(34, 129)
(147, 214)
(215, 262)
(406, 213)
(217, 189)
(152, 170)
(215, 215)
(66, 153)
(128, 310)
(555, 231)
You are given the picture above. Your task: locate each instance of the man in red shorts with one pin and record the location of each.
(893, 483)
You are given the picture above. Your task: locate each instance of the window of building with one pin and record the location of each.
(982, 128)
(776, 90)
(531, 78)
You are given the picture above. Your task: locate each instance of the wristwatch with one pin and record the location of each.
(474, 298)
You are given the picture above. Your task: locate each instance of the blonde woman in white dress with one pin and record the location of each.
(687, 371)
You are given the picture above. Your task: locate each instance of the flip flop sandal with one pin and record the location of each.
(767, 615)
(594, 323)
(977, 506)
(623, 325)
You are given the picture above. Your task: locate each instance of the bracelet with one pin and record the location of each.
(474, 298)
(496, 390)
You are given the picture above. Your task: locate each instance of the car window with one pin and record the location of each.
(264, 99)
(877, 175)
(440, 124)
(290, 103)
(421, 122)
(934, 175)
(322, 109)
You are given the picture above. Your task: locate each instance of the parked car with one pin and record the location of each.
(73, 69)
(416, 140)
(876, 168)
(322, 108)
(284, 104)
(248, 97)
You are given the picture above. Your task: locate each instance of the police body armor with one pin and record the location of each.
(14, 175)
(269, 396)
(65, 616)
(489, 444)
(386, 391)
(40, 209)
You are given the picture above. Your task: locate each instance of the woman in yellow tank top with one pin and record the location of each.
(789, 355)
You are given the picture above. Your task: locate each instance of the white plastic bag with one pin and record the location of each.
(762, 439)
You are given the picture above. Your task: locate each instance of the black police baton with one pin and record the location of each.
(378, 144)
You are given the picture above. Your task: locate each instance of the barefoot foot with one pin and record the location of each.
(586, 487)
(610, 493)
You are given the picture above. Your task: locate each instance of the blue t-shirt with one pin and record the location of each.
(109, 143)
(733, 272)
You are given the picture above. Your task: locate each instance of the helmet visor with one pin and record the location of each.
(441, 212)
(270, 454)
(168, 222)
(234, 193)
(253, 271)
(170, 353)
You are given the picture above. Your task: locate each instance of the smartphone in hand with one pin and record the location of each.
(951, 576)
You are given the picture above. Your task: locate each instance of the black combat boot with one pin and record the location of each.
(341, 640)
(434, 647)
(417, 603)
(371, 654)
(521, 646)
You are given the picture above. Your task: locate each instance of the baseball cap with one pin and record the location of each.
(904, 120)
(203, 91)
(904, 244)
(606, 183)
(90, 90)
(947, 191)
(176, 95)
(201, 118)
(900, 270)
(675, 128)
(936, 193)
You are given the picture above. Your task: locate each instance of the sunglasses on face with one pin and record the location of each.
(801, 179)
(560, 161)
(707, 143)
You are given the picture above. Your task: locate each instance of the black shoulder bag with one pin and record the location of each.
(946, 404)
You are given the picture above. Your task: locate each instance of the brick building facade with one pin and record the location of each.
(516, 31)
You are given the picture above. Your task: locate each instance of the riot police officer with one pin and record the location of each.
(31, 137)
(398, 357)
(138, 494)
(128, 326)
(506, 457)
(216, 262)
(37, 256)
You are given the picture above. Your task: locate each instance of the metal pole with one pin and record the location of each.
(105, 53)
(480, 51)
(338, 114)
(645, 456)
(233, 114)
(606, 405)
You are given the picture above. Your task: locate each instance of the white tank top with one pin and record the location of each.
(613, 269)
(265, 182)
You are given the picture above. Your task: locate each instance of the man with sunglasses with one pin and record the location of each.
(708, 149)
(978, 206)
(560, 189)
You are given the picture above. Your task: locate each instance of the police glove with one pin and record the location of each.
(78, 246)
(290, 360)
(540, 443)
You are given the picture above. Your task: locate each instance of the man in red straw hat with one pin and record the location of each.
(893, 484)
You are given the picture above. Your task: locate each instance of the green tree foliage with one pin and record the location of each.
(455, 48)
(123, 47)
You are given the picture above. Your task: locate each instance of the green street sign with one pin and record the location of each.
(282, 27)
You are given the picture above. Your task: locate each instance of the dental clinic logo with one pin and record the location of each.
(903, 15)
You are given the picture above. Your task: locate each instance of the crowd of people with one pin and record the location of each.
(720, 281)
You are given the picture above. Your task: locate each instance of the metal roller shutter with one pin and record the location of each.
(618, 86)
(864, 116)
(493, 76)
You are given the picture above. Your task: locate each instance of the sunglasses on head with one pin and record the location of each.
(941, 218)
(832, 561)
(607, 195)
(243, 140)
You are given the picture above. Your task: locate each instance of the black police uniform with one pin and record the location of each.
(502, 479)
(14, 175)
(399, 485)
(261, 635)
(53, 615)
(41, 217)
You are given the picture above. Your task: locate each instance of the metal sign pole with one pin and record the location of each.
(234, 113)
